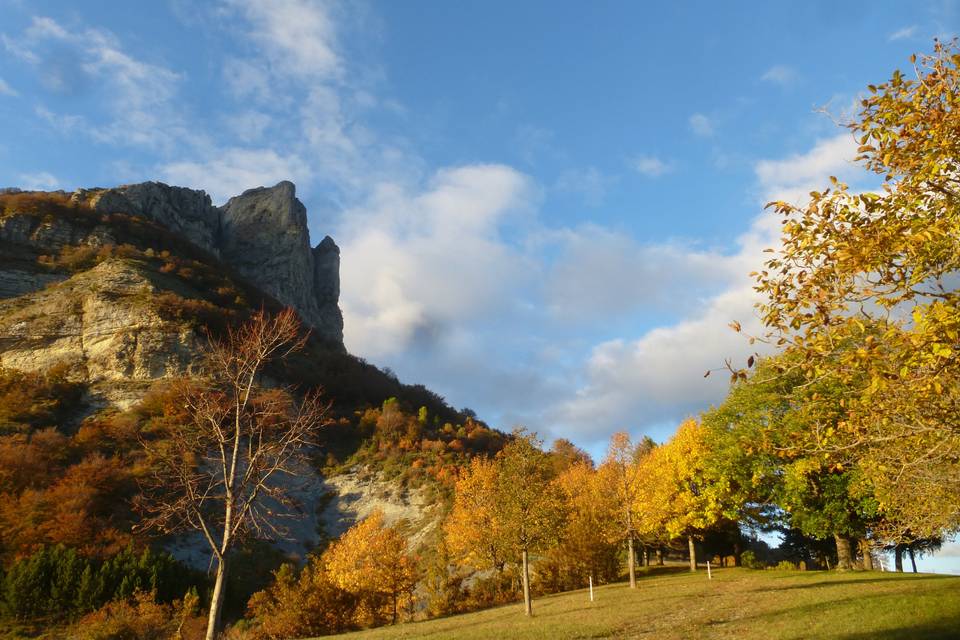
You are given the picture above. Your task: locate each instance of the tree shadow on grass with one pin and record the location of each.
(831, 583)
(946, 629)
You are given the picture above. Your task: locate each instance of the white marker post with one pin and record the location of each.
(591, 588)
(709, 576)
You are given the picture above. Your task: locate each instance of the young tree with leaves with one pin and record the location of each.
(621, 474)
(217, 471)
(530, 505)
(371, 562)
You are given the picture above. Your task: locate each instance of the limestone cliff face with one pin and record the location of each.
(262, 234)
(102, 318)
(184, 211)
(102, 325)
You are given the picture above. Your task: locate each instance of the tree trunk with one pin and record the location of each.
(898, 558)
(693, 553)
(660, 556)
(867, 557)
(216, 601)
(844, 553)
(527, 605)
(630, 563)
(736, 553)
(646, 556)
(913, 559)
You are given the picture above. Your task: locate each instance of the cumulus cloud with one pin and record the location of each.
(601, 273)
(792, 178)
(423, 261)
(650, 166)
(657, 378)
(701, 125)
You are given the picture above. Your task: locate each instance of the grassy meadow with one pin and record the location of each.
(737, 603)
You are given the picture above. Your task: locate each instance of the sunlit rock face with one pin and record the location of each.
(262, 234)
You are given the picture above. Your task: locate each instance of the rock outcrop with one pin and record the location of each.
(262, 234)
(101, 324)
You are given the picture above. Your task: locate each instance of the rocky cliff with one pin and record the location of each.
(115, 283)
(262, 234)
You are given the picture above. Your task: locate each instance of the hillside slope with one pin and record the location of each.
(116, 290)
(737, 604)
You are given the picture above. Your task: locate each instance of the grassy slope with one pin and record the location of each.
(737, 603)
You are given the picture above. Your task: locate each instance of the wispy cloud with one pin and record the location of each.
(136, 96)
(701, 125)
(589, 183)
(7, 90)
(905, 33)
(780, 74)
(650, 166)
(40, 181)
(297, 36)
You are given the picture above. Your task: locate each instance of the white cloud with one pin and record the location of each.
(600, 273)
(657, 378)
(792, 178)
(418, 263)
(780, 74)
(7, 90)
(650, 166)
(701, 125)
(905, 33)
(589, 183)
(136, 96)
(41, 181)
(235, 170)
(297, 36)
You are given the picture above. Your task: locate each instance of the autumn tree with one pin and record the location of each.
(218, 470)
(474, 529)
(365, 578)
(371, 562)
(507, 508)
(621, 471)
(754, 458)
(530, 505)
(877, 271)
(677, 499)
(590, 540)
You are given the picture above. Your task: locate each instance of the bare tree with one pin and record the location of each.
(216, 471)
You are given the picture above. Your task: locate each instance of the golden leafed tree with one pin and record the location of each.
(621, 474)
(474, 530)
(864, 291)
(371, 562)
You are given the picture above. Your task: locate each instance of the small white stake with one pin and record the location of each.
(591, 588)
(709, 576)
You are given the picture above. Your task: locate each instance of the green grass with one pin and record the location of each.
(737, 604)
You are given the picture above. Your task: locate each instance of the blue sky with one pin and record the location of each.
(547, 210)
